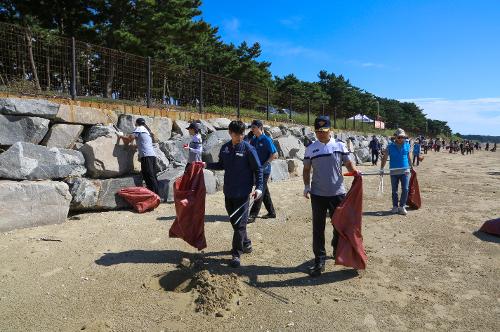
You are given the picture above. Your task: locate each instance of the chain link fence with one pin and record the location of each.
(35, 63)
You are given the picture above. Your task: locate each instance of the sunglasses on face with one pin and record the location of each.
(400, 137)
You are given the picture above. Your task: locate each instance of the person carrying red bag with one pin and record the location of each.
(326, 190)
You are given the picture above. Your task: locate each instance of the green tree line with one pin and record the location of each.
(175, 32)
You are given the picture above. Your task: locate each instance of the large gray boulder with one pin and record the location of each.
(290, 147)
(220, 123)
(98, 195)
(273, 132)
(213, 144)
(27, 161)
(108, 199)
(174, 151)
(22, 129)
(295, 167)
(166, 181)
(160, 126)
(63, 135)
(84, 192)
(362, 154)
(206, 127)
(210, 181)
(21, 106)
(279, 170)
(162, 161)
(108, 157)
(97, 131)
(85, 115)
(219, 179)
(180, 126)
(32, 203)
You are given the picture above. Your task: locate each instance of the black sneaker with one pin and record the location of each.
(316, 269)
(251, 219)
(269, 216)
(235, 262)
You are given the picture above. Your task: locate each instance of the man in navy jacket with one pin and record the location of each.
(242, 169)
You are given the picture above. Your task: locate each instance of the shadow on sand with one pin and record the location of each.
(487, 237)
(215, 264)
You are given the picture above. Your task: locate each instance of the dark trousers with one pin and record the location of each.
(320, 206)
(415, 157)
(266, 198)
(148, 170)
(374, 157)
(240, 236)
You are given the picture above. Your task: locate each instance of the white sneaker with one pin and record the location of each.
(395, 209)
(402, 211)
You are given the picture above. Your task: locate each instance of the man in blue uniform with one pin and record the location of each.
(267, 152)
(326, 157)
(242, 169)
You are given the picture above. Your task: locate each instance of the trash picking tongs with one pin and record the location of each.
(242, 206)
(381, 182)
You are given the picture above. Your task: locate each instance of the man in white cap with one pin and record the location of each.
(400, 165)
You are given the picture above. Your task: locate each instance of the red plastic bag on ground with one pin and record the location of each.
(347, 221)
(189, 198)
(491, 227)
(414, 200)
(142, 199)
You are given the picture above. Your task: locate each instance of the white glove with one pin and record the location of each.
(119, 133)
(307, 190)
(257, 194)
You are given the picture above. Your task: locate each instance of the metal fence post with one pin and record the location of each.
(239, 99)
(335, 118)
(290, 108)
(200, 105)
(73, 68)
(148, 93)
(308, 111)
(267, 106)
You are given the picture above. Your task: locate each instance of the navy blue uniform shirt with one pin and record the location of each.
(241, 166)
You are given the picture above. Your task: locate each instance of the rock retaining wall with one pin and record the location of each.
(79, 164)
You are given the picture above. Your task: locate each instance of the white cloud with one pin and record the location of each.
(366, 64)
(466, 116)
(232, 27)
(292, 22)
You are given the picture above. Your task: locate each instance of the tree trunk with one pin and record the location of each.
(109, 80)
(48, 70)
(32, 60)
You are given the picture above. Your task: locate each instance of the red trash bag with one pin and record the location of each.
(414, 200)
(142, 199)
(491, 227)
(347, 221)
(189, 198)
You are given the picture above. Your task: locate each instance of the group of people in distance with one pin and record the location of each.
(246, 161)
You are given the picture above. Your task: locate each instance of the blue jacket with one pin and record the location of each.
(265, 149)
(241, 166)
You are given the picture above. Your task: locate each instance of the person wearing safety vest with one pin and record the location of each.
(242, 170)
(400, 165)
(326, 190)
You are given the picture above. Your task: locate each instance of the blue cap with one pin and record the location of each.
(322, 123)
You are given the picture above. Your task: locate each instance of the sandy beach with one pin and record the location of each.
(119, 271)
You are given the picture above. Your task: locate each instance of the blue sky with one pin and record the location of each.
(444, 55)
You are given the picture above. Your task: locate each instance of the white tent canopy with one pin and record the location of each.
(359, 117)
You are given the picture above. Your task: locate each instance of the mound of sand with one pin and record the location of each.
(215, 292)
